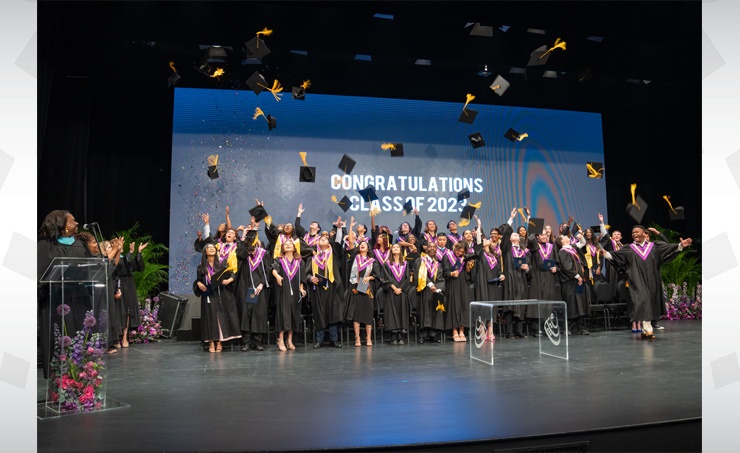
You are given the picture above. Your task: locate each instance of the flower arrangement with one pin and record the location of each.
(680, 305)
(77, 366)
(150, 329)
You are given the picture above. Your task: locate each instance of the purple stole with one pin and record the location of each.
(290, 268)
(454, 238)
(491, 260)
(382, 256)
(362, 263)
(518, 252)
(209, 273)
(432, 267)
(321, 258)
(255, 261)
(643, 251)
(545, 250)
(311, 240)
(225, 251)
(429, 237)
(398, 270)
(573, 253)
(616, 245)
(591, 249)
(442, 252)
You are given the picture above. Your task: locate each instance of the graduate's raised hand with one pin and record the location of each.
(132, 247)
(300, 209)
(685, 242)
(142, 246)
(513, 213)
(601, 218)
(206, 218)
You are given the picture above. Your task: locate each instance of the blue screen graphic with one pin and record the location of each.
(546, 171)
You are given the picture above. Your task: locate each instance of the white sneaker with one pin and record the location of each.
(659, 328)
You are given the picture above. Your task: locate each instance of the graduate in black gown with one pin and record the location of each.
(642, 260)
(458, 294)
(365, 275)
(56, 239)
(215, 285)
(404, 230)
(206, 236)
(429, 280)
(128, 264)
(571, 274)
(252, 290)
(397, 273)
(515, 286)
(544, 283)
(326, 289)
(453, 237)
(290, 287)
(488, 276)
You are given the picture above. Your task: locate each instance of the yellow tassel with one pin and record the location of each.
(667, 198)
(334, 199)
(495, 87)
(632, 189)
(265, 32)
(306, 84)
(375, 210)
(593, 173)
(476, 205)
(275, 90)
(440, 306)
(468, 97)
(388, 146)
(217, 73)
(521, 212)
(463, 222)
(303, 157)
(213, 160)
(257, 113)
(558, 45)
(172, 66)
(522, 136)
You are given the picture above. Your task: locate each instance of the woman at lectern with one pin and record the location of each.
(56, 239)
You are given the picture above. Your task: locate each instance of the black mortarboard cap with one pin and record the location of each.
(637, 211)
(307, 174)
(463, 194)
(476, 140)
(204, 69)
(347, 164)
(536, 225)
(408, 207)
(173, 79)
(212, 172)
(257, 48)
(271, 122)
(500, 85)
(468, 116)
(595, 170)
(255, 81)
(467, 213)
(258, 212)
(512, 135)
(595, 229)
(534, 57)
(250, 237)
(398, 150)
(678, 215)
(299, 93)
(345, 203)
(368, 194)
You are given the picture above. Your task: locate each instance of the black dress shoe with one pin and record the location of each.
(316, 345)
(336, 344)
(436, 340)
(245, 348)
(509, 335)
(259, 347)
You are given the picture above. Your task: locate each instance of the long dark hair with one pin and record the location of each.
(53, 225)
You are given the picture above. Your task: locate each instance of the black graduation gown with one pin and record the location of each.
(515, 285)
(615, 274)
(483, 271)
(644, 276)
(458, 294)
(544, 284)
(219, 315)
(76, 297)
(327, 301)
(360, 306)
(397, 307)
(568, 268)
(288, 297)
(429, 316)
(248, 278)
(381, 260)
(127, 265)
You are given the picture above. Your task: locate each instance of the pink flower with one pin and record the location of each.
(63, 310)
(90, 350)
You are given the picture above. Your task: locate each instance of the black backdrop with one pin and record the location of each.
(105, 111)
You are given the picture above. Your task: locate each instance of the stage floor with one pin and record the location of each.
(182, 399)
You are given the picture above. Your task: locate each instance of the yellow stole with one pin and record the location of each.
(329, 267)
(279, 246)
(422, 277)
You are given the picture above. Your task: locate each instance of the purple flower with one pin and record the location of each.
(155, 299)
(63, 310)
(89, 321)
(66, 341)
